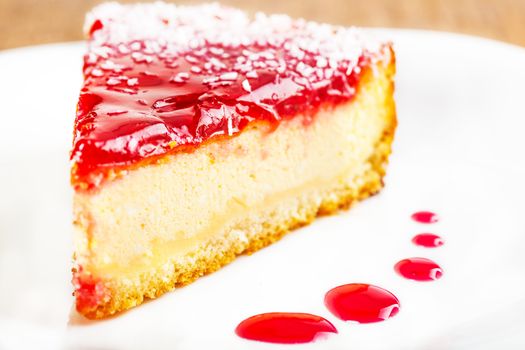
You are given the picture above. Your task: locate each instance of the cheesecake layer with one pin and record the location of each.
(165, 224)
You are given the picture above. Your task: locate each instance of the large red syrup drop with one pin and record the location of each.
(363, 303)
(284, 327)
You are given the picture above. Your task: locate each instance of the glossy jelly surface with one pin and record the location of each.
(189, 74)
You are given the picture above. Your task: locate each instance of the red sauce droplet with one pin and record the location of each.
(284, 327)
(428, 240)
(425, 217)
(363, 303)
(419, 269)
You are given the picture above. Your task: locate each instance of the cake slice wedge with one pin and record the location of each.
(202, 134)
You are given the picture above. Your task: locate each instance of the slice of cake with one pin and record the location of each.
(202, 134)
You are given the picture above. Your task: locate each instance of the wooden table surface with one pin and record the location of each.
(29, 22)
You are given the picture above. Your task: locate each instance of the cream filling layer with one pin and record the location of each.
(166, 252)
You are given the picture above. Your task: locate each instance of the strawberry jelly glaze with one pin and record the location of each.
(144, 98)
(89, 292)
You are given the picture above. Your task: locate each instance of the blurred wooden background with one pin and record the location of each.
(29, 22)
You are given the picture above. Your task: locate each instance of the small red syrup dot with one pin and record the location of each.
(425, 217)
(363, 303)
(427, 240)
(284, 327)
(419, 269)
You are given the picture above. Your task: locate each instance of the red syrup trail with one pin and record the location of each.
(284, 327)
(419, 269)
(362, 303)
(428, 240)
(425, 217)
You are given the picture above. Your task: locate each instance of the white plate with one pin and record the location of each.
(459, 150)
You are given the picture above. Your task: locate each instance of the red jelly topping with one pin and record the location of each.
(427, 240)
(95, 26)
(284, 328)
(425, 217)
(362, 303)
(89, 292)
(419, 269)
(192, 74)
